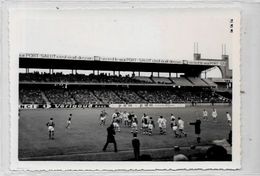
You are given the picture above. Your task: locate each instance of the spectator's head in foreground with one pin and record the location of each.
(216, 153)
(180, 157)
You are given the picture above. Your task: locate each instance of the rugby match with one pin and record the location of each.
(109, 116)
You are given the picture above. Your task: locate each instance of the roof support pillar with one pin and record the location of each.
(170, 74)
(176, 75)
(139, 73)
(114, 73)
(158, 74)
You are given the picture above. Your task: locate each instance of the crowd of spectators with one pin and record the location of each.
(129, 96)
(91, 78)
(85, 96)
(155, 96)
(107, 96)
(59, 96)
(29, 96)
(122, 96)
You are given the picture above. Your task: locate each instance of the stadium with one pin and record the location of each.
(118, 85)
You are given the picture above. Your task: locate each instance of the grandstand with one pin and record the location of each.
(119, 89)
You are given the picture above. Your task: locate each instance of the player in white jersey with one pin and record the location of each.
(229, 119)
(116, 125)
(114, 115)
(51, 126)
(134, 126)
(103, 116)
(120, 117)
(172, 117)
(205, 114)
(181, 127)
(162, 125)
(69, 121)
(214, 114)
(125, 118)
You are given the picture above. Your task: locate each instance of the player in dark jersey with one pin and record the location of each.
(69, 121)
(151, 126)
(145, 126)
(51, 126)
(130, 119)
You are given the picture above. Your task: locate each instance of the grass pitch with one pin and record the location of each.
(86, 136)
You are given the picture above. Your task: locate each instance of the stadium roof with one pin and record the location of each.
(53, 61)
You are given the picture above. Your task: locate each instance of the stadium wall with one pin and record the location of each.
(149, 105)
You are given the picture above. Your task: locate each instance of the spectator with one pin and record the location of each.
(216, 153)
(180, 157)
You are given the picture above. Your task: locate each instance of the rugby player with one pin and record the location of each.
(51, 126)
(181, 127)
(103, 116)
(229, 119)
(214, 114)
(205, 114)
(69, 121)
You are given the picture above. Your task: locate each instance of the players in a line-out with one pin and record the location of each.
(205, 115)
(162, 125)
(214, 115)
(102, 118)
(69, 121)
(51, 126)
(229, 120)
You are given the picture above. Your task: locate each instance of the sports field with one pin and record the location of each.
(86, 136)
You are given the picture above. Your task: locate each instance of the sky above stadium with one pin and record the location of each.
(137, 33)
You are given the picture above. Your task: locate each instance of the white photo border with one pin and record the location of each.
(110, 166)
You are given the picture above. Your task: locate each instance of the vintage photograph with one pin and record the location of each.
(126, 84)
